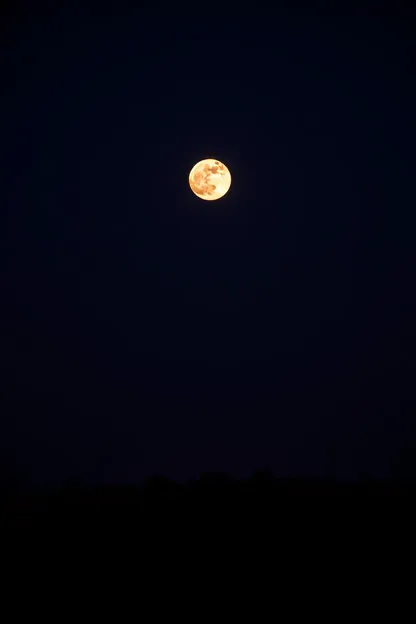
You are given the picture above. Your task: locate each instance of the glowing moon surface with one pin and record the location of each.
(209, 179)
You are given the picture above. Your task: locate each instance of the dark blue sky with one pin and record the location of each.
(145, 330)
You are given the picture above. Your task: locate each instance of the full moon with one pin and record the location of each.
(209, 179)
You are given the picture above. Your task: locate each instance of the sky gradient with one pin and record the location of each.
(147, 331)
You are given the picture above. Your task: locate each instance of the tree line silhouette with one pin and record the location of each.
(159, 494)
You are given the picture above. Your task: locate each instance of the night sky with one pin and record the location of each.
(147, 331)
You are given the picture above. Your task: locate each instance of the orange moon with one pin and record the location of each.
(209, 179)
